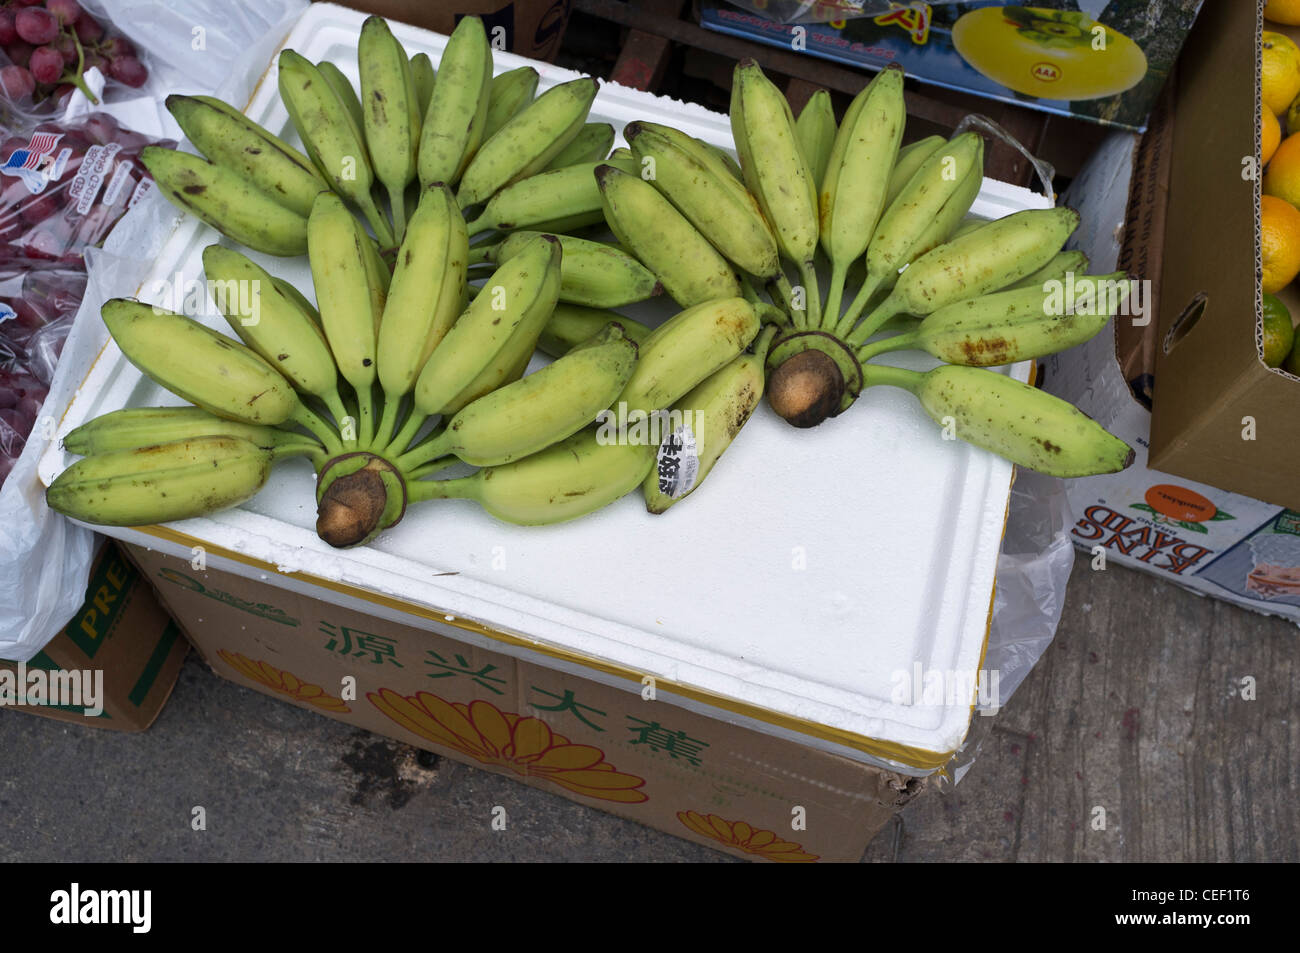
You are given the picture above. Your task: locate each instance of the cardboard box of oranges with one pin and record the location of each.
(1226, 409)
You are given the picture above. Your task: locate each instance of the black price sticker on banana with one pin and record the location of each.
(678, 462)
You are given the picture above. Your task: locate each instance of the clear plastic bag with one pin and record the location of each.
(826, 11)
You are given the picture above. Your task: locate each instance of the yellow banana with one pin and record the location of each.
(553, 201)
(571, 325)
(453, 123)
(815, 129)
(508, 93)
(147, 426)
(591, 144)
(910, 158)
(591, 273)
(424, 76)
(390, 114)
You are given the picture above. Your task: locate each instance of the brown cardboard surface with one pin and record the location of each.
(122, 631)
(1211, 385)
(639, 757)
(532, 28)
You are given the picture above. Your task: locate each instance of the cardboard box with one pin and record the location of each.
(115, 663)
(1046, 55)
(532, 28)
(1221, 416)
(1152, 517)
(627, 751)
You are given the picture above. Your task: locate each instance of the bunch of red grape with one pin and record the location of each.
(87, 180)
(51, 43)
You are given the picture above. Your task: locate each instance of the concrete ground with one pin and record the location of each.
(1136, 710)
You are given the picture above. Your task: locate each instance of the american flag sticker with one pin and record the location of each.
(33, 163)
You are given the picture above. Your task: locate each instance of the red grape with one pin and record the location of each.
(39, 209)
(100, 128)
(65, 11)
(118, 46)
(29, 3)
(19, 53)
(46, 64)
(7, 32)
(88, 28)
(67, 48)
(7, 397)
(128, 70)
(37, 27)
(95, 60)
(16, 82)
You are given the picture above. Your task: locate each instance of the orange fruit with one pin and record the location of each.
(1270, 134)
(1282, 177)
(1283, 11)
(1279, 71)
(1279, 242)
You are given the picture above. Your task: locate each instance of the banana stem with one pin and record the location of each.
(839, 273)
(461, 488)
(428, 470)
(323, 432)
(481, 254)
(388, 421)
(883, 312)
(377, 222)
(845, 326)
(798, 315)
(312, 451)
(397, 202)
(812, 293)
(409, 429)
(770, 314)
(365, 416)
(892, 377)
(477, 227)
(897, 342)
(763, 343)
(428, 451)
(334, 403)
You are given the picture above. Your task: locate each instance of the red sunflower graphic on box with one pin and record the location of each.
(742, 836)
(285, 683)
(525, 745)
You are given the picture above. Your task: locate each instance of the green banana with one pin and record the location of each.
(390, 113)
(330, 136)
(298, 298)
(941, 230)
(1027, 426)
(571, 325)
(815, 129)
(543, 408)
(527, 143)
(563, 482)
(196, 363)
(982, 261)
(591, 144)
(853, 191)
(777, 175)
(424, 76)
(700, 187)
(1007, 326)
(523, 291)
(910, 159)
(646, 223)
(555, 201)
(347, 95)
(453, 123)
(336, 253)
(158, 484)
(1065, 263)
(591, 273)
(227, 201)
(271, 324)
(712, 415)
(508, 93)
(232, 140)
(148, 426)
(686, 349)
(922, 200)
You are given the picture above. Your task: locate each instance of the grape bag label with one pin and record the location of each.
(94, 168)
(141, 190)
(121, 176)
(35, 164)
(678, 462)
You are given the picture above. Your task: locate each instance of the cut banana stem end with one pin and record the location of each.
(358, 496)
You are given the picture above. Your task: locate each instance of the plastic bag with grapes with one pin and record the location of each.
(46, 47)
(63, 186)
(37, 308)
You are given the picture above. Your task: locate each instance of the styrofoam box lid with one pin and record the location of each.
(799, 585)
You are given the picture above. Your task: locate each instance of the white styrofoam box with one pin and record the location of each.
(798, 585)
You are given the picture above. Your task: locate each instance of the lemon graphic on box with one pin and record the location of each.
(1049, 54)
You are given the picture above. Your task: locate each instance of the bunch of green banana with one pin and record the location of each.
(591, 273)
(330, 135)
(453, 123)
(528, 141)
